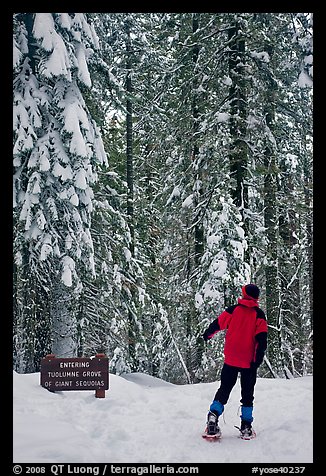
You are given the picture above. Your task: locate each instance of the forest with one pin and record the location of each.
(160, 162)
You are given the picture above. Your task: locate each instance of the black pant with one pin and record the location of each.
(229, 376)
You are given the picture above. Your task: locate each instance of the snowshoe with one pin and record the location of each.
(212, 431)
(246, 430)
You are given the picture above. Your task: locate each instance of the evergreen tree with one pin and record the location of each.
(275, 82)
(57, 147)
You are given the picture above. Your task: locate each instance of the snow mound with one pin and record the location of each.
(145, 380)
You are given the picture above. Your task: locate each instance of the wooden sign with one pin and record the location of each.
(77, 373)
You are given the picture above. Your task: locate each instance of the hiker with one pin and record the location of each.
(244, 349)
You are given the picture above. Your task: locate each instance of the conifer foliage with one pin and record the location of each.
(57, 147)
(161, 161)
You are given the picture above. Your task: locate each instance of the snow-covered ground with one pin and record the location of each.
(146, 420)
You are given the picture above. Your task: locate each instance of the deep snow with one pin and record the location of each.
(146, 420)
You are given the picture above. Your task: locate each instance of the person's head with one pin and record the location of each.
(250, 291)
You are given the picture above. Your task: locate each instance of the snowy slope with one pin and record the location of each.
(147, 420)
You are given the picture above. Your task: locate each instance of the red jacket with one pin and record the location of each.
(246, 335)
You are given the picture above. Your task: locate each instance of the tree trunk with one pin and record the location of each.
(238, 154)
(193, 352)
(309, 227)
(129, 139)
(130, 185)
(63, 317)
(271, 225)
(198, 225)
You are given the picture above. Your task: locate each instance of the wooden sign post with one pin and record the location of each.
(76, 373)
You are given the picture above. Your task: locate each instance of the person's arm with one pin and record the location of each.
(260, 338)
(220, 323)
(261, 346)
(212, 329)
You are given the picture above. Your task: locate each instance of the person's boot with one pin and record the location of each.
(212, 424)
(246, 430)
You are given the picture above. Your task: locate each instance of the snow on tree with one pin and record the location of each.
(57, 148)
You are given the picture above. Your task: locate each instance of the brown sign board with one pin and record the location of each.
(76, 373)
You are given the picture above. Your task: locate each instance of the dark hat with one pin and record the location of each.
(251, 290)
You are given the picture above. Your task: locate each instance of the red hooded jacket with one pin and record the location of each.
(246, 335)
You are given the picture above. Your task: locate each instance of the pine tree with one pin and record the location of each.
(272, 138)
(119, 71)
(57, 147)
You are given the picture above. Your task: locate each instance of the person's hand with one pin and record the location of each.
(255, 365)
